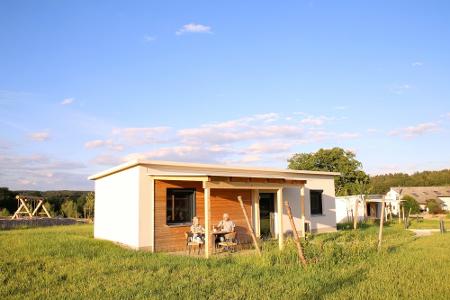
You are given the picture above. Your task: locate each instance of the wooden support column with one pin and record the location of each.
(207, 198)
(256, 212)
(280, 218)
(302, 210)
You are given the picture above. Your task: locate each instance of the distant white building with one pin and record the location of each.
(423, 194)
(345, 205)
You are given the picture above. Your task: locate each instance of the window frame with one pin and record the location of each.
(170, 191)
(321, 202)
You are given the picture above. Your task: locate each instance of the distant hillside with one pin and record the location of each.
(381, 183)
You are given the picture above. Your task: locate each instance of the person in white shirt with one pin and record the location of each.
(226, 224)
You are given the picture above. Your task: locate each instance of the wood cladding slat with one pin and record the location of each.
(171, 238)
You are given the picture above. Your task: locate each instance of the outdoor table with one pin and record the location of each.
(217, 234)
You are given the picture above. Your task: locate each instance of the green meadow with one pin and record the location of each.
(67, 263)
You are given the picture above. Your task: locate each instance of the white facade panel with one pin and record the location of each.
(117, 207)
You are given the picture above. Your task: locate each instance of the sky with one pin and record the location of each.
(87, 85)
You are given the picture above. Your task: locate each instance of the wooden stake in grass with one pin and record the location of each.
(441, 225)
(301, 257)
(380, 233)
(407, 219)
(355, 215)
(250, 228)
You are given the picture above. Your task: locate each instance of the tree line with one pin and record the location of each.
(73, 204)
(381, 183)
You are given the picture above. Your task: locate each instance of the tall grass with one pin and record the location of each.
(66, 262)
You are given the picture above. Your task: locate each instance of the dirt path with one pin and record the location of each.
(424, 232)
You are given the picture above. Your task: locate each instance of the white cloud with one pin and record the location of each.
(264, 137)
(103, 143)
(141, 135)
(67, 101)
(416, 130)
(40, 136)
(106, 159)
(41, 171)
(183, 153)
(149, 38)
(348, 135)
(417, 64)
(372, 130)
(272, 147)
(401, 88)
(315, 121)
(193, 28)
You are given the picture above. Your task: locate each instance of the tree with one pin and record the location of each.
(411, 203)
(382, 183)
(8, 199)
(88, 207)
(333, 160)
(433, 206)
(69, 209)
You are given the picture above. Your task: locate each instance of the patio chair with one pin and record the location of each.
(191, 244)
(230, 242)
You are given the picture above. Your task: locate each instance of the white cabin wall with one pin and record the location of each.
(323, 223)
(117, 207)
(146, 210)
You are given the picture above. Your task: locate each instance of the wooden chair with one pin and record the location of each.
(230, 242)
(190, 244)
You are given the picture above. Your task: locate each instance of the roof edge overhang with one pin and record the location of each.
(206, 167)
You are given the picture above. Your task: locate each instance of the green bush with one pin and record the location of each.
(411, 203)
(69, 209)
(433, 206)
(4, 212)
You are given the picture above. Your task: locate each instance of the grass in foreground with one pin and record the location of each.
(66, 262)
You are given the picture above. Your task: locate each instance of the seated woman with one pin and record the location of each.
(197, 231)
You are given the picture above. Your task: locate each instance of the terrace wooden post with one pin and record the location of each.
(301, 257)
(302, 212)
(280, 218)
(255, 241)
(207, 196)
(256, 218)
(380, 233)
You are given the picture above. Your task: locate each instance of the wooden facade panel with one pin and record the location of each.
(171, 238)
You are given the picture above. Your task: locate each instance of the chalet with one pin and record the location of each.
(150, 204)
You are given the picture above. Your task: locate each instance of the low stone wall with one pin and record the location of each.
(37, 222)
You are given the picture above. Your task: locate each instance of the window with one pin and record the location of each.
(315, 196)
(180, 206)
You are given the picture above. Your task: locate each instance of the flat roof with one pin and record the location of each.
(210, 169)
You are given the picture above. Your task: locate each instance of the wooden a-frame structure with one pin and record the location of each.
(29, 205)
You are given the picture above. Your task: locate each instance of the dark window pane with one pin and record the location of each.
(315, 197)
(180, 206)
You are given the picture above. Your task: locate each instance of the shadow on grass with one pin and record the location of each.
(331, 286)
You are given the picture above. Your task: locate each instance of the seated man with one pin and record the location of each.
(226, 225)
(197, 231)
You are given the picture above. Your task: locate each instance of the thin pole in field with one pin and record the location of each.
(250, 228)
(301, 257)
(380, 233)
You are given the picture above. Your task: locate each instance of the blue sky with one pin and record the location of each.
(85, 85)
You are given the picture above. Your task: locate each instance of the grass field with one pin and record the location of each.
(428, 224)
(66, 262)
